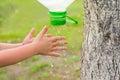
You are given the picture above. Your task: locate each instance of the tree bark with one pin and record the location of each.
(100, 59)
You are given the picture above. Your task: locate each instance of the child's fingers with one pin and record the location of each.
(32, 40)
(43, 31)
(54, 39)
(54, 54)
(59, 48)
(31, 33)
(58, 43)
(48, 35)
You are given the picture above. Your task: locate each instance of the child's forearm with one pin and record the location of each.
(8, 46)
(14, 55)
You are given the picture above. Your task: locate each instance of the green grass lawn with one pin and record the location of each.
(18, 17)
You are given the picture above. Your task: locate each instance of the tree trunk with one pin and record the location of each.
(100, 59)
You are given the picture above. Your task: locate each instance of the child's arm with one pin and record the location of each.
(8, 46)
(28, 39)
(40, 45)
(14, 55)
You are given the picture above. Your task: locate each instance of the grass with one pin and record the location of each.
(3, 77)
(44, 75)
(2, 70)
(35, 58)
(41, 66)
(18, 17)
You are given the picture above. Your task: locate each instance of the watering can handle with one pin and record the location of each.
(71, 20)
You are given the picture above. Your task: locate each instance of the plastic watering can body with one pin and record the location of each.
(58, 10)
(56, 5)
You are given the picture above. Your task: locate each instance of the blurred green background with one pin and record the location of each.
(17, 17)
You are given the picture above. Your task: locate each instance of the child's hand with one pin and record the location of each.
(48, 45)
(29, 37)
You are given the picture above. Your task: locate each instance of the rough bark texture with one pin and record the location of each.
(100, 59)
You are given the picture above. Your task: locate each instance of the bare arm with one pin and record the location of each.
(28, 39)
(8, 46)
(14, 55)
